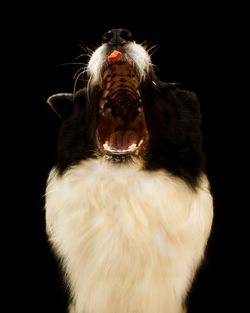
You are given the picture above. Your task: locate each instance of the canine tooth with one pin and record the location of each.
(140, 143)
(132, 147)
(109, 77)
(106, 145)
(140, 109)
(108, 110)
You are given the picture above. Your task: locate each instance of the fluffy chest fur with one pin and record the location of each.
(130, 240)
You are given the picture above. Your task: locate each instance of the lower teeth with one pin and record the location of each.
(131, 148)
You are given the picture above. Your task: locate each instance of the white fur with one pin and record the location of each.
(130, 240)
(134, 53)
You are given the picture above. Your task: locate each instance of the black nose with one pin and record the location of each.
(117, 37)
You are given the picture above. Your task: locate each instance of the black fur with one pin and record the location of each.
(173, 121)
(77, 135)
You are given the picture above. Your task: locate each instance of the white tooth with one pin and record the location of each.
(140, 109)
(140, 143)
(106, 145)
(108, 110)
(102, 103)
(108, 148)
(108, 85)
(132, 147)
(109, 77)
(105, 93)
(107, 74)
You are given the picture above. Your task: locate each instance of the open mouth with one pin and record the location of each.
(121, 126)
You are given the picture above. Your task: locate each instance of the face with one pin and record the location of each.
(125, 114)
(121, 130)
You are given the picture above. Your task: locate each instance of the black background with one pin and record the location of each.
(198, 47)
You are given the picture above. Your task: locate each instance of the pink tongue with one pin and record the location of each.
(121, 140)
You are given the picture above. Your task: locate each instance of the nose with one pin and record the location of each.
(117, 37)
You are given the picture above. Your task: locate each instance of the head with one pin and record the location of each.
(125, 115)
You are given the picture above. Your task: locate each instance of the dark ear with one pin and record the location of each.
(190, 101)
(61, 104)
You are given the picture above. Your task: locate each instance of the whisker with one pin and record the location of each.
(82, 55)
(154, 48)
(87, 49)
(80, 72)
(82, 69)
(76, 80)
(155, 66)
(146, 46)
(71, 63)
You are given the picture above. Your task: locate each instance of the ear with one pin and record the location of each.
(191, 102)
(61, 104)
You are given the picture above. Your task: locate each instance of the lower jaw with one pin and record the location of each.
(121, 143)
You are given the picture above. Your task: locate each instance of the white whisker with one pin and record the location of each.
(77, 75)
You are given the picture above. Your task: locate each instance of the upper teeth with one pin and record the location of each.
(105, 93)
(102, 103)
(127, 81)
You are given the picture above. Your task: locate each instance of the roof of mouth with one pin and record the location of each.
(119, 88)
(120, 123)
